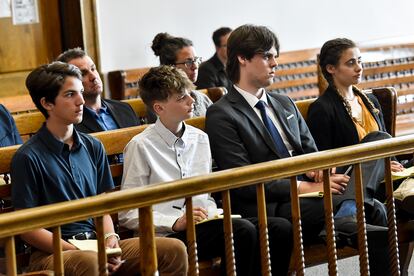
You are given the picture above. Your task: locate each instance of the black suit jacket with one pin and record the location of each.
(330, 124)
(122, 113)
(238, 138)
(212, 73)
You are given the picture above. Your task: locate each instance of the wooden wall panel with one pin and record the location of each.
(24, 47)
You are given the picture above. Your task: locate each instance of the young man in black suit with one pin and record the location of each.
(249, 126)
(99, 114)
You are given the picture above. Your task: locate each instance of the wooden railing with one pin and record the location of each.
(52, 216)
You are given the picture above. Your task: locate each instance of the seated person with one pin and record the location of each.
(179, 52)
(99, 114)
(60, 164)
(212, 73)
(344, 115)
(9, 136)
(170, 150)
(250, 126)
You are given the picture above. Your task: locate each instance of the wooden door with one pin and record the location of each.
(24, 47)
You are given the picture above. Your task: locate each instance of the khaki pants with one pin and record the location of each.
(171, 255)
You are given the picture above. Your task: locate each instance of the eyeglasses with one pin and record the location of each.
(189, 63)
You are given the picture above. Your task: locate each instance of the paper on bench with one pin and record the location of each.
(312, 194)
(92, 245)
(216, 215)
(403, 174)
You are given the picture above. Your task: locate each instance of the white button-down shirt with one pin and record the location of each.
(157, 155)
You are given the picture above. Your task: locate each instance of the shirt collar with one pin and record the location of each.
(54, 144)
(168, 136)
(103, 109)
(250, 98)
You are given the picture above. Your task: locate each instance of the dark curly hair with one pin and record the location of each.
(166, 47)
(331, 53)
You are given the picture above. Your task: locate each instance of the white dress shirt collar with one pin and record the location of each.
(250, 98)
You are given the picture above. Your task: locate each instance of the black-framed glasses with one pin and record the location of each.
(189, 63)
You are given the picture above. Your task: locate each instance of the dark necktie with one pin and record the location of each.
(277, 139)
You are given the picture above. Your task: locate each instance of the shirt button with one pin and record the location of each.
(183, 174)
(179, 155)
(73, 166)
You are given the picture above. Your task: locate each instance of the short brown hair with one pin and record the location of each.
(161, 82)
(46, 80)
(70, 54)
(246, 41)
(166, 47)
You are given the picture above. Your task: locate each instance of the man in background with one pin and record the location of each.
(212, 73)
(99, 114)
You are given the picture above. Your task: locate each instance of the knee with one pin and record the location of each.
(376, 214)
(280, 227)
(244, 229)
(77, 262)
(171, 248)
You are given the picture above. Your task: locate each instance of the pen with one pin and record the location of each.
(119, 261)
(348, 170)
(177, 207)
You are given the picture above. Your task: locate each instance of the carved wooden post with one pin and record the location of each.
(329, 225)
(102, 259)
(11, 256)
(362, 238)
(228, 234)
(147, 242)
(297, 228)
(263, 236)
(57, 252)
(392, 224)
(191, 239)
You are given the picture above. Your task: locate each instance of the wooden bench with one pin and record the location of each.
(114, 142)
(28, 123)
(18, 104)
(394, 66)
(123, 84)
(297, 74)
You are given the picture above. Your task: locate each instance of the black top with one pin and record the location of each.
(330, 124)
(9, 135)
(212, 73)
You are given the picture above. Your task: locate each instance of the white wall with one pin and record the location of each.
(127, 27)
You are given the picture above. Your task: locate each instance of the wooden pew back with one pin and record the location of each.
(18, 104)
(115, 141)
(28, 123)
(123, 84)
(296, 74)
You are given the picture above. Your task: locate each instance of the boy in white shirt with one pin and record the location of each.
(170, 150)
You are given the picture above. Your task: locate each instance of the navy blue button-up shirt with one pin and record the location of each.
(45, 171)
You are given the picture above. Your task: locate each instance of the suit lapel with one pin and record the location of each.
(90, 123)
(283, 116)
(240, 104)
(116, 115)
